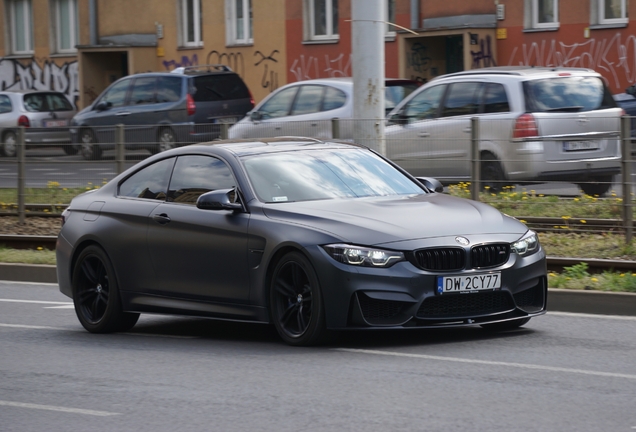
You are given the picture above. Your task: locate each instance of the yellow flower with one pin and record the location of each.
(583, 221)
(40, 248)
(594, 280)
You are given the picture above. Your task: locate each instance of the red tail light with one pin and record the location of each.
(24, 121)
(190, 106)
(251, 98)
(525, 127)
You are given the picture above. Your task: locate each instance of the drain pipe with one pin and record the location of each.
(92, 12)
(415, 14)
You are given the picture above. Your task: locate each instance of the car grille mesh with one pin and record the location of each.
(490, 255)
(373, 309)
(440, 259)
(452, 259)
(465, 305)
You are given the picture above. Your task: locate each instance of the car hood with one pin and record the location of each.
(382, 220)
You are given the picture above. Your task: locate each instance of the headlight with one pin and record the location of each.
(363, 256)
(526, 245)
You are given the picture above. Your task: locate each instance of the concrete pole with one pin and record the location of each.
(367, 53)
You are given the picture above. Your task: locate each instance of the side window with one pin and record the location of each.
(196, 175)
(58, 102)
(5, 104)
(116, 95)
(495, 99)
(143, 91)
(169, 89)
(34, 102)
(308, 100)
(334, 98)
(426, 104)
(279, 104)
(150, 182)
(462, 99)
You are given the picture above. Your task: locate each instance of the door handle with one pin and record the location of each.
(161, 218)
(424, 134)
(121, 114)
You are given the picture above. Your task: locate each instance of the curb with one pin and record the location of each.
(562, 300)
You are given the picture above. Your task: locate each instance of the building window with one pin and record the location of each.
(321, 19)
(612, 11)
(239, 22)
(21, 26)
(65, 26)
(390, 17)
(545, 14)
(191, 23)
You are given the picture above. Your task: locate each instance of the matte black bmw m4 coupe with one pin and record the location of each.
(310, 236)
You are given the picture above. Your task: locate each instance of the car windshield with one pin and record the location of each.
(567, 94)
(325, 174)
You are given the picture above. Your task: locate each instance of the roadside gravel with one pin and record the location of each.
(38, 226)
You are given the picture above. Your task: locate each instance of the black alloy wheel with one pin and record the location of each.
(296, 301)
(96, 295)
(89, 147)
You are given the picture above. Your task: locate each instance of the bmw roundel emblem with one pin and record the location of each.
(462, 240)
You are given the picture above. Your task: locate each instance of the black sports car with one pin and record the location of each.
(308, 235)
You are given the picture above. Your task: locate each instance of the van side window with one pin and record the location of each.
(143, 91)
(495, 99)
(426, 104)
(169, 89)
(116, 95)
(308, 100)
(462, 99)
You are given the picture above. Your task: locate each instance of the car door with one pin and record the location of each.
(313, 108)
(269, 118)
(414, 129)
(143, 118)
(109, 110)
(199, 254)
(450, 151)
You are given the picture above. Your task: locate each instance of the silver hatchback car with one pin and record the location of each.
(45, 114)
(536, 124)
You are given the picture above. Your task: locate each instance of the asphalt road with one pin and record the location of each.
(563, 372)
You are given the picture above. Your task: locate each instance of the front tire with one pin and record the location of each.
(296, 301)
(89, 147)
(9, 147)
(166, 140)
(506, 325)
(96, 294)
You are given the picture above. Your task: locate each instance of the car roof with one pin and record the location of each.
(520, 71)
(30, 91)
(345, 81)
(246, 147)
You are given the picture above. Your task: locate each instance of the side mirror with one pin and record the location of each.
(218, 200)
(103, 106)
(631, 90)
(398, 118)
(256, 115)
(431, 183)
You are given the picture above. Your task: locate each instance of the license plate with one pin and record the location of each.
(580, 145)
(55, 123)
(468, 283)
(226, 120)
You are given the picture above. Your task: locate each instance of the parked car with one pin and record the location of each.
(306, 108)
(44, 114)
(305, 234)
(627, 101)
(162, 110)
(536, 124)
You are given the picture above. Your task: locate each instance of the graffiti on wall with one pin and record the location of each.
(40, 74)
(613, 57)
(185, 61)
(417, 59)
(269, 78)
(311, 67)
(483, 57)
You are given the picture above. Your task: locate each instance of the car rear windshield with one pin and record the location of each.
(567, 94)
(325, 174)
(219, 87)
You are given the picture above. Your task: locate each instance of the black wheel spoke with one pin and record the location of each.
(89, 272)
(298, 275)
(285, 288)
(86, 296)
(289, 312)
(301, 320)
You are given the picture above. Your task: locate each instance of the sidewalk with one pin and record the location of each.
(590, 302)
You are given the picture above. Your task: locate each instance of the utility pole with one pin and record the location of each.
(368, 29)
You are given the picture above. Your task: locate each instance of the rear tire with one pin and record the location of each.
(96, 294)
(506, 325)
(493, 178)
(9, 147)
(597, 186)
(296, 301)
(89, 147)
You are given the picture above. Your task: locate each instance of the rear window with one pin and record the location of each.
(567, 94)
(5, 104)
(219, 87)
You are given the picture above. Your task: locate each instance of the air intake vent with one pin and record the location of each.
(444, 259)
(491, 255)
(465, 305)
